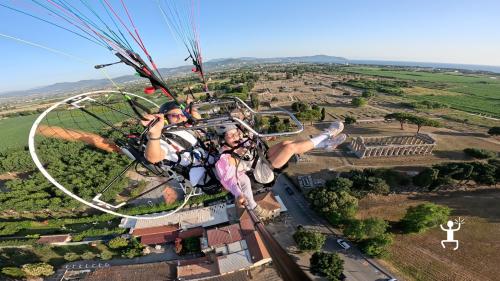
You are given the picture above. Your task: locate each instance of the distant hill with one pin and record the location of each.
(215, 64)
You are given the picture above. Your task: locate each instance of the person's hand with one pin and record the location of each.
(154, 131)
(241, 201)
(188, 100)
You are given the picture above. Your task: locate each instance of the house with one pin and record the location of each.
(54, 239)
(157, 235)
(196, 269)
(185, 219)
(217, 237)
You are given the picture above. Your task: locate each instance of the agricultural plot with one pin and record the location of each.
(471, 93)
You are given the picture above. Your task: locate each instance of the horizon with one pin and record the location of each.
(375, 63)
(416, 32)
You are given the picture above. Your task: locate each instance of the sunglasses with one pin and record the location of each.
(175, 116)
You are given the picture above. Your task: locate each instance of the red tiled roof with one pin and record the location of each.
(197, 270)
(155, 230)
(48, 239)
(193, 232)
(224, 235)
(246, 223)
(256, 247)
(160, 238)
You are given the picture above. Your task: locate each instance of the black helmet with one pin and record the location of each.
(169, 105)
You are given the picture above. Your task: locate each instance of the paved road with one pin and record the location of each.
(356, 266)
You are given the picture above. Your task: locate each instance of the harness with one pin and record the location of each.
(207, 159)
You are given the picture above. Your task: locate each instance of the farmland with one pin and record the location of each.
(476, 93)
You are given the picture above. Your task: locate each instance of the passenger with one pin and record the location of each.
(172, 150)
(237, 159)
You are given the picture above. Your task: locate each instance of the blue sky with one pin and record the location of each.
(456, 31)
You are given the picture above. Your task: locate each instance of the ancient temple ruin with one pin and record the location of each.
(419, 144)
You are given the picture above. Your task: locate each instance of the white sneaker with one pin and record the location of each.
(332, 143)
(335, 128)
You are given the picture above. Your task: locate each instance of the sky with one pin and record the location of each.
(458, 31)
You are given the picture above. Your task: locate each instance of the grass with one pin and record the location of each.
(471, 93)
(15, 131)
(421, 257)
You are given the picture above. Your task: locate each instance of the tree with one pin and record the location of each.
(308, 240)
(365, 229)
(88, 255)
(38, 269)
(118, 242)
(358, 102)
(484, 173)
(323, 114)
(300, 106)
(480, 153)
(338, 184)
(377, 185)
(289, 75)
(254, 99)
(326, 264)
(71, 256)
(494, 131)
(337, 206)
(377, 246)
(131, 253)
(348, 120)
(14, 272)
(402, 117)
(422, 121)
(106, 255)
(424, 216)
(368, 93)
(426, 177)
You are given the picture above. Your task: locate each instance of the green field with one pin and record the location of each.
(476, 93)
(15, 131)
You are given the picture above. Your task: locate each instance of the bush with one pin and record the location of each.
(368, 94)
(308, 240)
(348, 120)
(494, 131)
(480, 153)
(365, 229)
(118, 242)
(71, 256)
(377, 246)
(106, 255)
(38, 269)
(191, 245)
(14, 272)
(424, 216)
(426, 177)
(88, 255)
(325, 264)
(131, 253)
(358, 102)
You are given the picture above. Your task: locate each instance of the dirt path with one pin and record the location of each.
(75, 135)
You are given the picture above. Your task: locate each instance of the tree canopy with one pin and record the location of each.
(329, 265)
(424, 216)
(308, 240)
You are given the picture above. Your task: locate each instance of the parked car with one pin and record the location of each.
(343, 244)
(289, 190)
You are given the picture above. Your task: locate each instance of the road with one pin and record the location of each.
(356, 266)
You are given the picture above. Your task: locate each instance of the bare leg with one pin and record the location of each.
(282, 154)
(275, 149)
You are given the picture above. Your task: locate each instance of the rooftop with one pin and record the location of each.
(235, 261)
(205, 217)
(155, 230)
(201, 268)
(50, 239)
(224, 235)
(160, 271)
